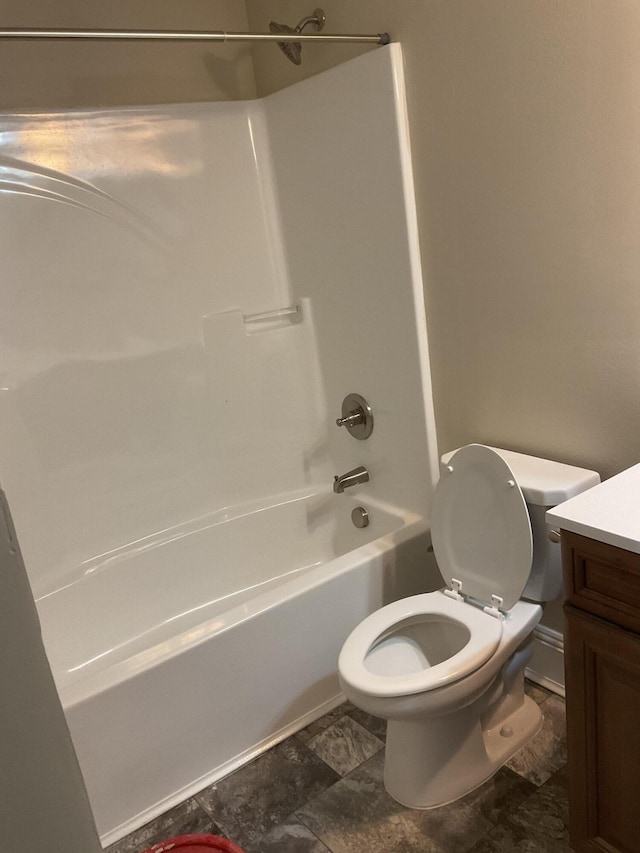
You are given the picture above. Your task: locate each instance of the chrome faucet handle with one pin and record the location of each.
(357, 416)
(352, 419)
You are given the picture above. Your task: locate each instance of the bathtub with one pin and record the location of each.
(186, 654)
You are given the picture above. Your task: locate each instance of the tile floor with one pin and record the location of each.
(321, 791)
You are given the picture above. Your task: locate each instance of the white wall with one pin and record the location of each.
(526, 130)
(38, 760)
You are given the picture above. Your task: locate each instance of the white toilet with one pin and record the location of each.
(446, 668)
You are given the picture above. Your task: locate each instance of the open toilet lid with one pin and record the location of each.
(481, 530)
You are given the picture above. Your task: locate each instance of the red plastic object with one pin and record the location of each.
(195, 844)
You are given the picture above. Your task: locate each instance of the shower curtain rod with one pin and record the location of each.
(215, 36)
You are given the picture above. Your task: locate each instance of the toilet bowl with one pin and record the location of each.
(446, 668)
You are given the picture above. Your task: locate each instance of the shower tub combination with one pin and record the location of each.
(169, 402)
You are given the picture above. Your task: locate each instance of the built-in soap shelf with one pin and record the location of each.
(228, 331)
(268, 321)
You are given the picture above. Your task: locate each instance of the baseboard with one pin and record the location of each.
(546, 666)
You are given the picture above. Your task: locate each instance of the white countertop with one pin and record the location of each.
(609, 512)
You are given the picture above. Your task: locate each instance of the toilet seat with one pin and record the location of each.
(483, 543)
(481, 529)
(484, 634)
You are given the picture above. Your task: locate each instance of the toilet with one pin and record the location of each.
(446, 668)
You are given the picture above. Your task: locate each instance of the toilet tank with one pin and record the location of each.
(544, 484)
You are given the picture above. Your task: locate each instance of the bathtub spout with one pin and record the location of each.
(351, 478)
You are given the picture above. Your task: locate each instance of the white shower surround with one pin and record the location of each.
(168, 455)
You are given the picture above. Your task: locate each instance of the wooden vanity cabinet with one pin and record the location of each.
(602, 664)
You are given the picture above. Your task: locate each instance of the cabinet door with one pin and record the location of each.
(602, 665)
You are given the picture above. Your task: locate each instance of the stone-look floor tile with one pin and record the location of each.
(547, 751)
(546, 812)
(291, 836)
(509, 791)
(184, 819)
(345, 745)
(539, 825)
(561, 776)
(505, 839)
(376, 725)
(536, 692)
(324, 722)
(254, 799)
(357, 815)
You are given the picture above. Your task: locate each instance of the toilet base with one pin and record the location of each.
(433, 762)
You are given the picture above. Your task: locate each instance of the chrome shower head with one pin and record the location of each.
(293, 49)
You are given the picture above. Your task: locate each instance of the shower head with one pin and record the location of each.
(293, 49)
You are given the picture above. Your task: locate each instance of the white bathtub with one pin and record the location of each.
(186, 654)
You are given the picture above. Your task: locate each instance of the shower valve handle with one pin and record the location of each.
(357, 416)
(352, 419)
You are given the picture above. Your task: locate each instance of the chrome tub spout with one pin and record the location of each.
(351, 478)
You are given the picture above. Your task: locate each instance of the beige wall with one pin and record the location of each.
(525, 125)
(67, 74)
